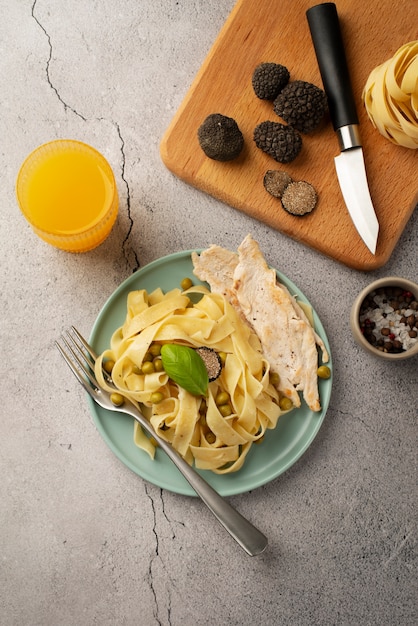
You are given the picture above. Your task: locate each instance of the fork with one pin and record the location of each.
(80, 357)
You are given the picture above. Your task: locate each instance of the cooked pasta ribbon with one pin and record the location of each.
(195, 426)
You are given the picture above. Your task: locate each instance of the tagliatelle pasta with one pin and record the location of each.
(391, 97)
(195, 426)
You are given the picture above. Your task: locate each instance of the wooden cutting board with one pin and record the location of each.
(277, 31)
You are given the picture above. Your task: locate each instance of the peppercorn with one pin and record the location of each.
(281, 142)
(302, 105)
(269, 79)
(220, 138)
(396, 328)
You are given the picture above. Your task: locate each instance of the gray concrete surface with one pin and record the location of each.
(84, 540)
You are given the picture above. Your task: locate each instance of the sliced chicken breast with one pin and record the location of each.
(288, 340)
(216, 266)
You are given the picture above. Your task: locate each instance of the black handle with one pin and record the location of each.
(329, 49)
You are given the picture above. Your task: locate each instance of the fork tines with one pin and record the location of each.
(79, 356)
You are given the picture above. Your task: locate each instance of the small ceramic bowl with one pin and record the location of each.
(358, 333)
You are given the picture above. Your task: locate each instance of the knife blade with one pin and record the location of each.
(328, 43)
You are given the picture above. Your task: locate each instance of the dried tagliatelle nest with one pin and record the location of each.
(391, 97)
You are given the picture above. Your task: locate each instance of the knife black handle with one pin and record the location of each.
(325, 30)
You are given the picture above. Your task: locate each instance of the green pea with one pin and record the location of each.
(323, 371)
(156, 397)
(148, 367)
(108, 366)
(274, 378)
(117, 399)
(285, 404)
(155, 349)
(158, 364)
(222, 398)
(210, 437)
(186, 283)
(225, 410)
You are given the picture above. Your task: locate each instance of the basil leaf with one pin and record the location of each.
(183, 365)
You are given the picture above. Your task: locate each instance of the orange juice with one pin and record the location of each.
(67, 191)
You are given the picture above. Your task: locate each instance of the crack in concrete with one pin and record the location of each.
(167, 593)
(173, 534)
(170, 522)
(363, 420)
(127, 250)
(152, 559)
(48, 62)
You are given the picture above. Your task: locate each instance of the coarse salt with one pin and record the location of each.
(385, 316)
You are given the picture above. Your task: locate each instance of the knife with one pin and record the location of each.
(329, 49)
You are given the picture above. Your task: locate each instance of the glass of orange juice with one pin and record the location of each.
(67, 192)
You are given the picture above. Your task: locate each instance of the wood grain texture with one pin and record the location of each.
(277, 31)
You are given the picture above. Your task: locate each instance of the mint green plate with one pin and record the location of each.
(281, 447)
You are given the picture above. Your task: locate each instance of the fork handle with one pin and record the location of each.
(245, 534)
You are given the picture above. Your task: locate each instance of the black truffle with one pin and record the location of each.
(302, 105)
(212, 361)
(269, 79)
(220, 138)
(299, 198)
(281, 142)
(276, 181)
